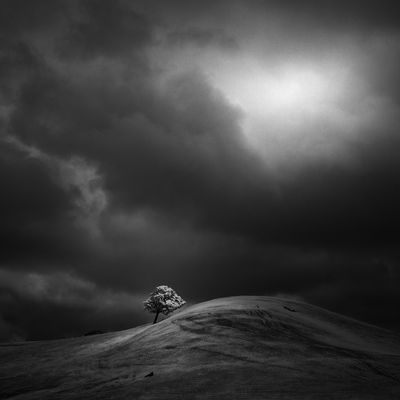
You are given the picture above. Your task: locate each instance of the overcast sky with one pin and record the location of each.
(219, 147)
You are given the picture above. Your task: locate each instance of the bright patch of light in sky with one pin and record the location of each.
(288, 107)
(289, 89)
(292, 108)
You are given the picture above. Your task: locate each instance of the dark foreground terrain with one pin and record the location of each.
(231, 348)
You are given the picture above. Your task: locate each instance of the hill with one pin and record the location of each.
(231, 348)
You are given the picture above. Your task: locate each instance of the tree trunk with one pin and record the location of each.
(155, 318)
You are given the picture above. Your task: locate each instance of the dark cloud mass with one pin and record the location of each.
(223, 148)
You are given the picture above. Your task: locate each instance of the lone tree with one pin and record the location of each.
(163, 300)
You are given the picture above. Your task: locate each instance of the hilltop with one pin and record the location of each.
(243, 347)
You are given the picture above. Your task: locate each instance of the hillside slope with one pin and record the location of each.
(231, 348)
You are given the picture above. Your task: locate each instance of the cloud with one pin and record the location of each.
(101, 29)
(36, 306)
(78, 179)
(201, 37)
(125, 161)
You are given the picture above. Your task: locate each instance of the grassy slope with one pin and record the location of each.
(232, 348)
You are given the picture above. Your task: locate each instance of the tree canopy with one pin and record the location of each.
(163, 300)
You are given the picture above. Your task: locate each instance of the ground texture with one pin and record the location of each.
(232, 348)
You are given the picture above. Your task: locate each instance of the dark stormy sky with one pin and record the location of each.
(219, 147)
